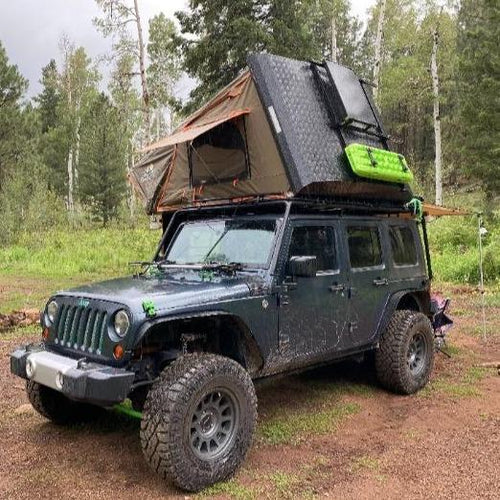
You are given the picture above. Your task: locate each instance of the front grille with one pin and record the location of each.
(81, 328)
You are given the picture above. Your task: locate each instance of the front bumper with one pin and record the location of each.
(77, 379)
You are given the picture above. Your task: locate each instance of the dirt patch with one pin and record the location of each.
(441, 443)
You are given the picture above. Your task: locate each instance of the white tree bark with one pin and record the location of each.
(378, 48)
(335, 56)
(142, 70)
(71, 203)
(77, 148)
(436, 118)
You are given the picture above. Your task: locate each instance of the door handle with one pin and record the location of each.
(336, 288)
(381, 282)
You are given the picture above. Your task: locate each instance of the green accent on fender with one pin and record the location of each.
(378, 164)
(127, 410)
(149, 308)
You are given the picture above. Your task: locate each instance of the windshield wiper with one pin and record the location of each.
(225, 267)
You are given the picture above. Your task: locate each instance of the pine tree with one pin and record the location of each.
(479, 90)
(103, 160)
(12, 89)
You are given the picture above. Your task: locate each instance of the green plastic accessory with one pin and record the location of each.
(127, 410)
(378, 164)
(416, 206)
(149, 308)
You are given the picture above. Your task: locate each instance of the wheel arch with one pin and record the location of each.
(225, 333)
(416, 300)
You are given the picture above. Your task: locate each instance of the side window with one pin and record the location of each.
(364, 246)
(318, 241)
(404, 252)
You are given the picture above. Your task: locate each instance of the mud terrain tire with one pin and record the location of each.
(198, 420)
(405, 356)
(57, 407)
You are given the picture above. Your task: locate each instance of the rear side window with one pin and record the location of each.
(404, 252)
(364, 246)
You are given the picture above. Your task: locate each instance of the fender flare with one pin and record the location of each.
(391, 306)
(253, 355)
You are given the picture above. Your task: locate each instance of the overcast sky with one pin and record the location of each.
(30, 30)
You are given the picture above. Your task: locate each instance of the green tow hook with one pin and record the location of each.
(149, 308)
(127, 410)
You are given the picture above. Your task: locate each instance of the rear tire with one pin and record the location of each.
(56, 407)
(405, 356)
(198, 420)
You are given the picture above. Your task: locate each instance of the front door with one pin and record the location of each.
(313, 310)
(368, 281)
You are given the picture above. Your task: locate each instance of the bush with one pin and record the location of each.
(454, 249)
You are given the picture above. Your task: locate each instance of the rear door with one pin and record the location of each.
(368, 279)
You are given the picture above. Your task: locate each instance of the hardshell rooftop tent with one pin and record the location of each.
(280, 129)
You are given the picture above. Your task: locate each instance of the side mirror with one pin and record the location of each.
(303, 266)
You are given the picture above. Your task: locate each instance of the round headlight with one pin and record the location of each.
(122, 323)
(52, 308)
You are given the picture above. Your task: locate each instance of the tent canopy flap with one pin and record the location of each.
(192, 132)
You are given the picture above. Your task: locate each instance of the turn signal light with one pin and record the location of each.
(118, 351)
(45, 334)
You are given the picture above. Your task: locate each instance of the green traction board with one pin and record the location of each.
(378, 164)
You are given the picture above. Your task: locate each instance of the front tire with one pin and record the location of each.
(198, 420)
(405, 356)
(56, 407)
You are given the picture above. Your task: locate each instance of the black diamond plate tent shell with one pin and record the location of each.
(310, 148)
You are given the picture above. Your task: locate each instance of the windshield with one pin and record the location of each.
(223, 241)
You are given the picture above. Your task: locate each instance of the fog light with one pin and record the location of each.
(30, 368)
(59, 380)
(118, 351)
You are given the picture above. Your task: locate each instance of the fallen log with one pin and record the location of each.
(23, 317)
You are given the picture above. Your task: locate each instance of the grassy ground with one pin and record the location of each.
(36, 267)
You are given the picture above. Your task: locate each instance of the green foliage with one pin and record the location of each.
(12, 89)
(103, 157)
(455, 253)
(80, 254)
(164, 67)
(478, 77)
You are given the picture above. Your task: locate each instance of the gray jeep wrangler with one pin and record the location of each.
(233, 294)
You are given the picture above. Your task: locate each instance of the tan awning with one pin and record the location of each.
(192, 132)
(437, 211)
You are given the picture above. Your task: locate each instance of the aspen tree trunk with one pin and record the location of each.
(436, 118)
(335, 56)
(130, 167)
(77, 149)
(70, 167)
(378, 48)
(71, 205)
(142, 69)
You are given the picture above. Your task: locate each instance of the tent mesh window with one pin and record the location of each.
(220, 155)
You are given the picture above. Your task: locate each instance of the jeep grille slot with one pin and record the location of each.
(81, 328)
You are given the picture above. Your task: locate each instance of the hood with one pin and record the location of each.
(170, 290)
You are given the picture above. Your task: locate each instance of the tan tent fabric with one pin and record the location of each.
(167, 160)
(192, 132)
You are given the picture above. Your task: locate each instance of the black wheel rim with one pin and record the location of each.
(417, 354)
(213, 424)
